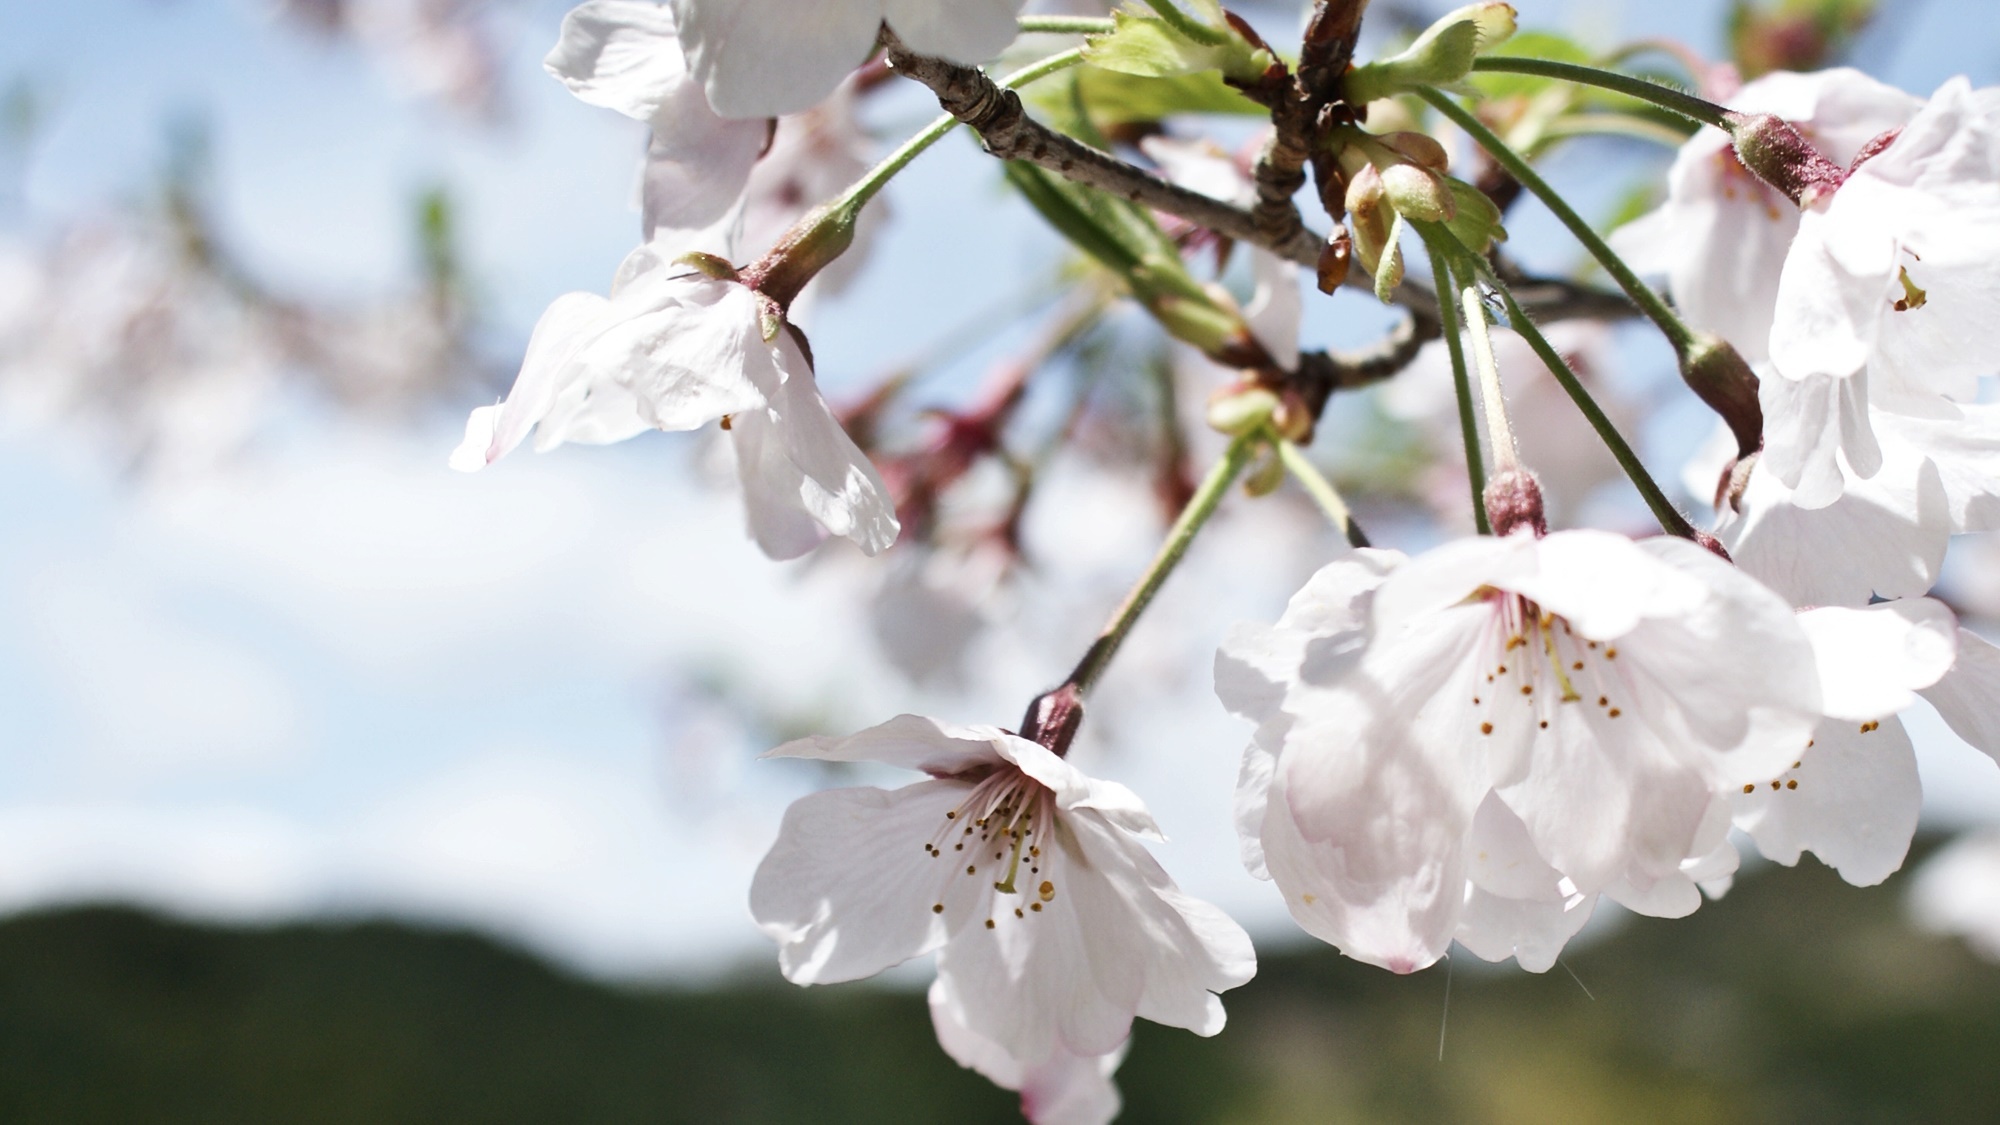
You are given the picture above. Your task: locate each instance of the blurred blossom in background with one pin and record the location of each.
(263, 657)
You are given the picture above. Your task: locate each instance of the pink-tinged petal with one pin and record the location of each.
(1885, 536)
(1397, 910)
(1968, 697)
(1678, 893)
(850, 889)
(967, 31)
(1872, 661)
(1838, 284)
(777, 520)
(1738, 671)
(1277, 307)
(1852, 801)
(1111, 938)
(1065, 1089)
(1451, 573)
(570, 323)
(1965, 450)
(911, 742)
(838, 485)
(697, 171)
(767, 58)
(1074, 789)
(1607, 798)
(621, 55)
(1604, 584)
(1530, 931)
(688, 348)
(1503, 858)
(1253, 797)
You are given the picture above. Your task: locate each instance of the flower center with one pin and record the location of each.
(1536, 665)
(993, 834)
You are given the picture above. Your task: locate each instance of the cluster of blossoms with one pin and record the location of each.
(1473, 744)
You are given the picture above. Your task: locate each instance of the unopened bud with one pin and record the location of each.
(1774, 151)
(1418, 192)
(1477, 222)
(1389, 269)
(1719, 375)
(1240, 410)
(1514, 501)
(1440, 56)
(1421, 148)
(1713, 545)
(1053, 719)
(1293, 419)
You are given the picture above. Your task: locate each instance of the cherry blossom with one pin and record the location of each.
(1605, 691)
(1052, 924)
(673, 348)
(765, 58)
(1958, 892)
(1722, 236)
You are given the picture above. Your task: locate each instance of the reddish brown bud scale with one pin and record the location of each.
(1514, 501)
(1776, 152)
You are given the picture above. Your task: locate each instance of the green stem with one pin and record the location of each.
(1649, 302)
(1065, 25)
(1187, 25)
(1670, 517)
(1206, 499)
(1468, 422)
(1653, 93)
(879, 176)
(1319, 488)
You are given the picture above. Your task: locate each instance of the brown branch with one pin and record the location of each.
(1008, 132)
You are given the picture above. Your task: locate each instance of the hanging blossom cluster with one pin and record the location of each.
(1472, 744)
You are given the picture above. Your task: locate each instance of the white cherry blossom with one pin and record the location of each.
(1958, 892)
(764, 58)
(1052, 924)
(1604, 691)
(1722, 235)
(675, 349)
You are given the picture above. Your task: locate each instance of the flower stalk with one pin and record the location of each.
(1653, 93)
(1468, 423)
(1207, 498)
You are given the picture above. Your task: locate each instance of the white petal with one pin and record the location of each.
(1113, 938)
(772, 486)
(1872, 661)
(1531, 931)
(848, 890)
(1837, 285)
(1852, 801)
(621, 55)
(688, 348)
(838, 486)
(913, 742)
(697, 171)
(967, 31)
(1253, 792)
(570, 322)
(1074, 789)
(1604, 584)
(470, 456)
(766, 58)
(1968, 697)
(1065, 1089)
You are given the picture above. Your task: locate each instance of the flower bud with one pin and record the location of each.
(1442, 55)
(1477, 220)
(1389, 269)
(1776, 152)
(1420, 148)
(1418, 192)
(1238, 410)
(1718, 374)
(1514, 501)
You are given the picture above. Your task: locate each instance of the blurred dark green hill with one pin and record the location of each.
(1796, 999)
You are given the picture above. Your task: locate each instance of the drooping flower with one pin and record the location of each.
(765, 58)
(674, 348)
(1606, 692)
(1722, 235)
(1052, 924)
